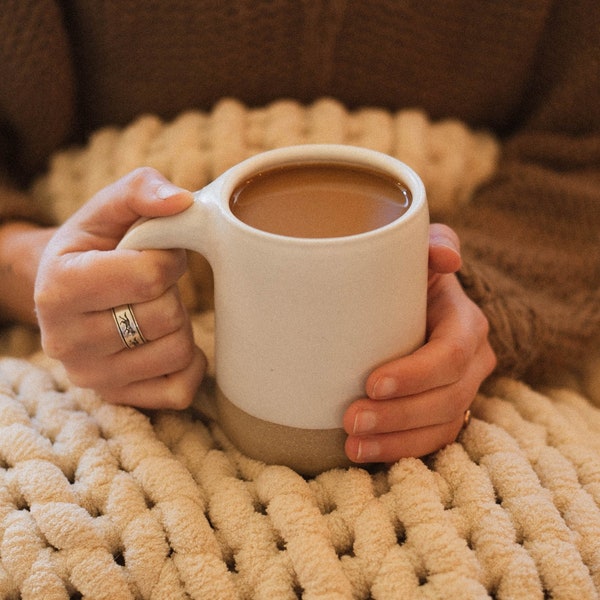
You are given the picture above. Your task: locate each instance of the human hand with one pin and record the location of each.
(82, 276)
(416, 404)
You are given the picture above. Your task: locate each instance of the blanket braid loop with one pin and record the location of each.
(196, 147)
(100, 501)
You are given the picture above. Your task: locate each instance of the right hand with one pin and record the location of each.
(82, 276)
(416, 404)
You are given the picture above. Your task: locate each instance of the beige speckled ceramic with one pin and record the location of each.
(300, 322)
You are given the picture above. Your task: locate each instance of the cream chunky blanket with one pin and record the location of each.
(107, 502)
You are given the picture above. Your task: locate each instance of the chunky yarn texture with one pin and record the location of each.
(110, 503)
(105, 502)
(197, 147)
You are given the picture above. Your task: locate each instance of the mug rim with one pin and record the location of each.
(332, 153)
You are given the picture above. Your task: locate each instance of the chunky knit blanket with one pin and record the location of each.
(108, 502)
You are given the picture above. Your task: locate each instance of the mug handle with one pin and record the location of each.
(186, 229)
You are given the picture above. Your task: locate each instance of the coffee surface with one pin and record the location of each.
(319, 200)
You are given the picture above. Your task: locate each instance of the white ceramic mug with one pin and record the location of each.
(301, 322)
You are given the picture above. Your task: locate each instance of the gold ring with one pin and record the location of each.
(466, 418)
(127, 325)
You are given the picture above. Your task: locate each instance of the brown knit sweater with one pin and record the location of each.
(529, 71)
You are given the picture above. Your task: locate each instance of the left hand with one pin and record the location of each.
(416, 404)
(83, 274)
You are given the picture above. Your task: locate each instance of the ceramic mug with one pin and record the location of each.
(300, 322)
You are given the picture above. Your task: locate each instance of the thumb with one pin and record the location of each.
(444, 249)
(104, 219)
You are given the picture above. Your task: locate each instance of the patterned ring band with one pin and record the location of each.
(129, 330)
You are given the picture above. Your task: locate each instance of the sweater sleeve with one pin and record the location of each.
(37, 100)
(531, 237)
(531, 245)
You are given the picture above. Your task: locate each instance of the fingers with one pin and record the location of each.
(93, 340)
(73, 303)
(95, 334)
(82, 276)
(154, 359)
(434, 407)
(103, 220)
(162, 373)
(416, 404)
(444, 249)
(175, 390)
(80, 264)
(393, 446)
(438, 363)
(384, 430)
(457, 329)
(93, 280)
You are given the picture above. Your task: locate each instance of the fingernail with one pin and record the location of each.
(166, 190)
(449, 246)
(384, 387)
(364, 421)
(368, 450)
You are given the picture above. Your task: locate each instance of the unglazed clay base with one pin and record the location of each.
(308, 451)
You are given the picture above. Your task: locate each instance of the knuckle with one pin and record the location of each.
(490, 360)
(463, 403)
(158, 271)
(53, 348)
(488, 356)
(182, 354)
(456, 401)
(482, 323)
(48, 298)
(185, 383)
(79, 380)
(173, 313)
(457, 357)
(180, 396)
(151, 281)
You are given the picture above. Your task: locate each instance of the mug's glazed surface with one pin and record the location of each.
(301, 322)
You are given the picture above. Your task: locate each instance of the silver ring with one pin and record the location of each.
(127, 325)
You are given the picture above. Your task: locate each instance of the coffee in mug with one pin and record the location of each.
(319, 254)
(319, 200)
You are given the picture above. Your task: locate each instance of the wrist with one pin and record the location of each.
(21, 246)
